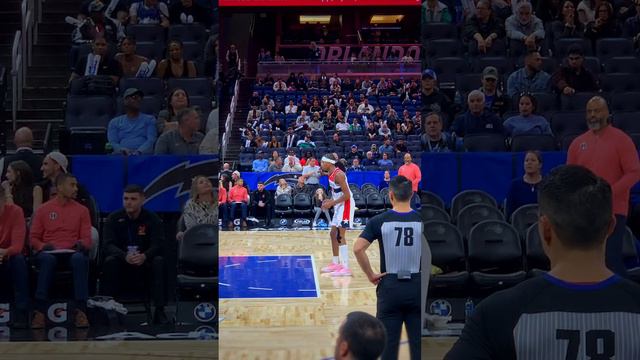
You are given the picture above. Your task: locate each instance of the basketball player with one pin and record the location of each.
(580, 309)
(343, 212)
(404, 253)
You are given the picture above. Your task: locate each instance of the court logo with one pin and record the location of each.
(57, 333)
(5, 333)
(206, 333)
(5, 313)
(440, 307)
(283, 221)
(204, 312)
(57, 313)
(180, 177)
(302, 221)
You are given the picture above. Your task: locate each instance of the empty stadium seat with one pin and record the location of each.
(88, 111)
(149, 86)
(302, 205)
(613, 47)
(439, 31)
(192, 51)
(473, 214)
(433, 213)
(523, 217)
(283, 205)
(484, 142)
(628, 122)
(440, 48)
(619, 82)
(495, 256)
(361, 204)
(194, 87)
(622, 64)
(151, 50)
(375, 203)
(468, 197)
(431, 198)
(545, 102)
(447, 253)
(533, 142)
(537, 260)
(626, 101)
(147, 33)
(630, 254)
(188, 33)
(568, 123)
(576, 102)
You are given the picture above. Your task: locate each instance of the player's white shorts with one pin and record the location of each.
(343, 214)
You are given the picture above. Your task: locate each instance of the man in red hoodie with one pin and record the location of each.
(12, 234)
(62, 224)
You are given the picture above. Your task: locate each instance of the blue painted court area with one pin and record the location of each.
(267, 277)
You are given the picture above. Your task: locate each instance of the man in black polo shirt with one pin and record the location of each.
(404, 253)
(133, 243)
(106, 65)
(579, 309)
(262, 203)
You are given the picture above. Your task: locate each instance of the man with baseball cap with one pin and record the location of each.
(432, 99)
(133, 133)
(494, 100)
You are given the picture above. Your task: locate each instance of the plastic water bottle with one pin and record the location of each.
(468, 309)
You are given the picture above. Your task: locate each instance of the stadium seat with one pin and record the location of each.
(432, 31)
(88, 111)
(576, 102)
(619, 82)
(153, 87)
(375, 203)
(566, 141)
(204, 104)
(431, 198)
(533, 142)
(147, 33)
(626, 101)
(495, 256)
(194, 87)
(612, 47)
(622, 64)
(433, 213)
(568, 123)
(151, 50)
(503, 64)
(302, 205)
(192, 51)
(283, 205)
(593, 64)
(484, 142)
(537, 260)
(470, 215)
(361, 204)
(468, 82)
(246, 161)
(630, 254)
(523, 217)
(443, 48)
(148, 105)
(562, 45)
(447, 253)
(628, 122)
(468, 197)
(188, 33)
(545, 102)
(385, 196)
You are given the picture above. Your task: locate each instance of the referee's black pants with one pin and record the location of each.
(398, 303)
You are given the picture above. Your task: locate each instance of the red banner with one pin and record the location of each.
(263, 3)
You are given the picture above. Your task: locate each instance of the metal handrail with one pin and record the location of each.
(228, 125)
(16, 76)
(22, 50)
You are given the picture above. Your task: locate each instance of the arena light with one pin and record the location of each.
(315, 19)
(386, 19)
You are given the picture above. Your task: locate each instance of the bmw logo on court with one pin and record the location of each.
(440, 307)
(204, 312)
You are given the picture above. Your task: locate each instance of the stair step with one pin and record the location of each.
(44, 38)
(40, 114)
(51, 48)
(10, 15)
(45, 103)
(44, 60)
(10, 5)
(57, 70)
(48, 26)
(41, 80)
(49, 92)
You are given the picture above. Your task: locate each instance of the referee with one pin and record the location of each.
(404, 252)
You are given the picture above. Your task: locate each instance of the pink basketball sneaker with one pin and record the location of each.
(331, 268)
(342, 271)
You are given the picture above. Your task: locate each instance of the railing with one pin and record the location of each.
(17, 76)
(228, 125)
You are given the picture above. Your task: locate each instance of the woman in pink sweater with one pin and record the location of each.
(238, 196)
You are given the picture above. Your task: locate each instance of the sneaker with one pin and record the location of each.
(331, 268)
(343, 271)
(38, 320)
(81, 320)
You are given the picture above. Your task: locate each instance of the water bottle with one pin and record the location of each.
(108, 148)
(468, 309)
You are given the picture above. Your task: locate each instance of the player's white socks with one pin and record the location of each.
(336, 260)
(344, 255)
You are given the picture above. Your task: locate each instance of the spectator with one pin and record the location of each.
(175, 66)
(61, 224)
(386, 179)
(262, 204)
(355, 165)
(342, 124)
(314, 52)
(524, 190)
(318, 197)
(401, 147)
(385, 162)
(311, 172)
(531, 78)
(384, 130)
(481, 30)
(386, 147)
(432, 99)
(53, 165)
(316, 124)
(494, 99)
(292, 154)
(548, 10)
(260, 164)
(587, 11)
(188, 12)
(476, 120)
(278, 125)
(632, 26)
(566, 25)
(186, 139)
(291, 165)
(524, 29)
(280, 85)
(369, 160)
(238, 196)
(97, 25)
(150, 12)
(306, 143)
(605, 24)
(435, 11)
(133, 133)
(292, 108)
(355, 126)
(283, 188)
(274, 143)
(574, 78)
(105, 65)
(365, 108)
(178, 100)
(360, 336)
(412, 172)
(201, 206)
(276, 166)
(223, 202)
(18, 187)
(527, 123)
(12, 262)
(354, 153)
(130, 62)
(23, 140)
(135, 253)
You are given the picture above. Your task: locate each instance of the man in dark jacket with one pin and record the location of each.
(133, 245)
(477, 120)
(574, 78)
(23, 139)
(262, 203)
(432, 99)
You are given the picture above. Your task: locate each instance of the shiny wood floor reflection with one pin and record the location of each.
(293, 329)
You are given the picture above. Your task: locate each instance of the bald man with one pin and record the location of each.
(23, 139)
(610, 154)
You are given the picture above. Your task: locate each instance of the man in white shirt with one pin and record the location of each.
(342, 125)
(291, 165)
(291, 139)
(291, 108)
(279, 85)
(365, 107)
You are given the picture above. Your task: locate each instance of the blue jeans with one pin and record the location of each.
(232, 211)
(17, 267)
(223, 212)
(47, 263)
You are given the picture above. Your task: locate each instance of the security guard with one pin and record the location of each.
(404, 252)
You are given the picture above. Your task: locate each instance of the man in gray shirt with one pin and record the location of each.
(311, 172)
(186, 139)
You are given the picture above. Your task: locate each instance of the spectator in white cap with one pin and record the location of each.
(54, 164)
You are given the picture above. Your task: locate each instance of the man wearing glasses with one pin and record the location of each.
(574, 77)
(494, 100)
